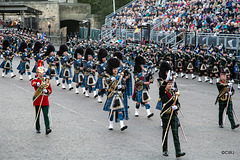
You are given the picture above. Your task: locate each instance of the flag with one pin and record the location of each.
(197, 49)
(43, 35)
(210, 49)
(221, 50)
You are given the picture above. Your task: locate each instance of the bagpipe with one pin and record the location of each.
(149, 73)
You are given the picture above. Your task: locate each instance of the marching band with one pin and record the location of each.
(104, 69)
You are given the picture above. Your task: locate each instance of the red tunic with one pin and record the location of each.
(45, 101)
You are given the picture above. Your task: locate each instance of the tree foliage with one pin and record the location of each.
(104, 7)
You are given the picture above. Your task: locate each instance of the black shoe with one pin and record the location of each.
(180, 154)
(31, 79)
(13, 76)
(96, 96)
(235, 126)
(220, 126)
(150, 115)
(123, 128)
(110, 129)
(58, 84)
(70, 88)
(48, 131)
(193, 77)
(165, 153)
(38, 131)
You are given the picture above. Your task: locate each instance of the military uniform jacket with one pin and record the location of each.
(45, 101)
(167, 98)
(101, 69)
(77, 64)
(224, 90)
(64, 61)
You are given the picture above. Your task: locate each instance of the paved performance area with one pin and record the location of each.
(80, 126)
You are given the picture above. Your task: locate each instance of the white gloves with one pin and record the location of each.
(230, 84)
(230, 93)
(113, 78)
(45, 91)
(174, 107)
(169, 75)
(38, 84)
(119, 86)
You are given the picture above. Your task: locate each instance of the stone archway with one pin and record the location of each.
(72, 26)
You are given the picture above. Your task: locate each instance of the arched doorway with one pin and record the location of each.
(72, 26)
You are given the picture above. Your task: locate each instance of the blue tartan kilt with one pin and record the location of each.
(107, 106)
(76, 77)
(62, 72)
(99, 83)
(48, 73)
(34, 70)
(86, 79)
(21, 67)
(159, 105)
(3, 64)
(57, 69)
(139, 96)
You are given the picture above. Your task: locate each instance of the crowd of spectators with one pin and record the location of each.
(10, 23)
(202, 16)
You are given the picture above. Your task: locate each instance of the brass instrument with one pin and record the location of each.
(39, 91)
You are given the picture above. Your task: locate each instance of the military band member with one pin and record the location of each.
(170, 107)
(164, 67)
(142, 82)
(101, 69)
(66, 69)
(189, 63)
(37, 55)
(127, 92)
(225, 64)
(202, 66)
(90, 69)
(179, 63)
(213, 66)
(6, 65)
(43, 89)
(78, 68)
(226, 91)
(24, 65)
(52, 60)
(114, 102)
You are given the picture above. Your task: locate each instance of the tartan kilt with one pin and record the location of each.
(34, 70)
(3, 64)
(75, 77)
(62, 72)
(21, 67)
(57, 69)
(99, 83)
(86, 79)
(139, 96)
(108, 103)
(159, 105)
